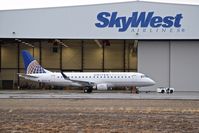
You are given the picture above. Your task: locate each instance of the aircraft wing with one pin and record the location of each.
(83, 83)
(26, 75)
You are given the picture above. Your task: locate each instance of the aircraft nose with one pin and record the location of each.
(152, 82)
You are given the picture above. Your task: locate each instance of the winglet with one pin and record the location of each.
(64, 76)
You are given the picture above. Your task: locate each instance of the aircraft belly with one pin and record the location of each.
(124, 83)
(117, 84)
(65, 83)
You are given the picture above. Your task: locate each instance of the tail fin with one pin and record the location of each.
(31, 65)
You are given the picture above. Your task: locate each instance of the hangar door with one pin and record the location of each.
(170, 63)
(153, 60)
(185, 65)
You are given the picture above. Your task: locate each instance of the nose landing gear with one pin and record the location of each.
(134, 90)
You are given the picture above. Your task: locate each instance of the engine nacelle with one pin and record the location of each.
(102, 87)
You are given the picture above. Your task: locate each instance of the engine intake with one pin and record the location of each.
(102, 87)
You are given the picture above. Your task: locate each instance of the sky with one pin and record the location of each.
(26, 4)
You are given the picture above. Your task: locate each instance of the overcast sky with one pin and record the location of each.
(23, 4)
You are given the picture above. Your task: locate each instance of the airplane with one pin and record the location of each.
(88, 80)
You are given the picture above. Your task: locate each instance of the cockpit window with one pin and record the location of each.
(144, 76)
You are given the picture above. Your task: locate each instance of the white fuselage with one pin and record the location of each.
(111, 79)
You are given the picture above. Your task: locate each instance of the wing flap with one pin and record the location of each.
(83, 83)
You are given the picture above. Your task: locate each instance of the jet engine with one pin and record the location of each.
(102, 87)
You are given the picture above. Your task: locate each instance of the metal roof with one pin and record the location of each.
(24, 4)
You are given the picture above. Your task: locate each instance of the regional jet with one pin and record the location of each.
(88, 80)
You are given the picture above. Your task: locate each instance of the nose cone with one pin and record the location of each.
(151, 82)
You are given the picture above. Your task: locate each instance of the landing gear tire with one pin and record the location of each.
(88, 90)
(85, 91)
(162, 91)
(171, 91)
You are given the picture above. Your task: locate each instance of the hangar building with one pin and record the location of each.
(160, 40)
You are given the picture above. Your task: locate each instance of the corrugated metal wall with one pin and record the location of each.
(185, 65)
(170, 63)
(153, 60)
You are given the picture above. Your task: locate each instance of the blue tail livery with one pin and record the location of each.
(30, 64)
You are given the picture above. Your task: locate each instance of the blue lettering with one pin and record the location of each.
(114, 21)
(178, 19)
(142, 19)
(168, 21)
(102, 18)
(125, 23)
(156, 22)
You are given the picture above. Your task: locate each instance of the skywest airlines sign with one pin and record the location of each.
(140, 22)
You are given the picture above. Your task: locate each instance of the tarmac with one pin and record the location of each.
(100, 112)
(78, 94)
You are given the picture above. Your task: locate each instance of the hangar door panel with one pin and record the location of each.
(153, 60)
(185, 65)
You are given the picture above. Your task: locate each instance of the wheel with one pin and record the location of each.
(85, 91)
(171, 91)
(88, 90)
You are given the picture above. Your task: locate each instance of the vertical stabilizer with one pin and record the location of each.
(31, 65)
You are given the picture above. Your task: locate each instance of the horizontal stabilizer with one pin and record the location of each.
(26, 75)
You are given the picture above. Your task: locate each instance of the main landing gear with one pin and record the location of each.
(88, 89)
